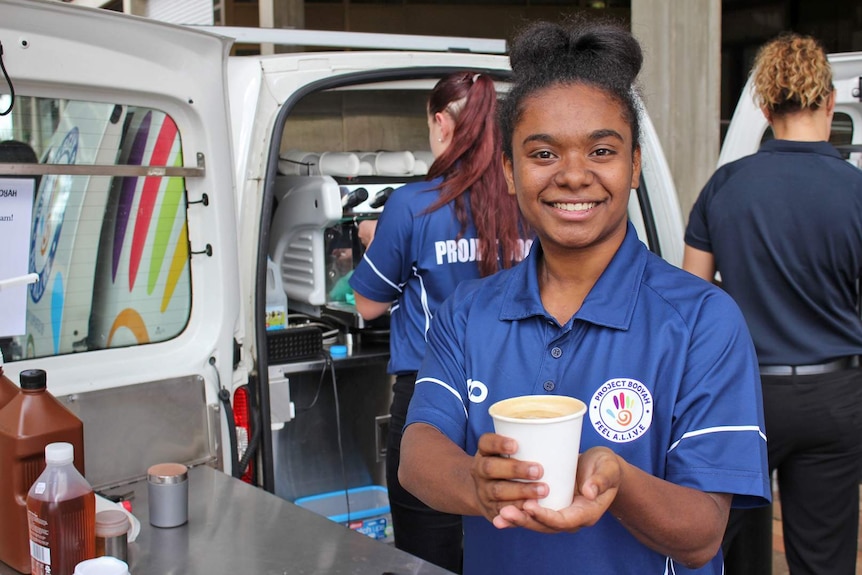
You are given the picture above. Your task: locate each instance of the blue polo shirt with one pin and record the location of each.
(663, 361)
(785, 228)
(415, 261)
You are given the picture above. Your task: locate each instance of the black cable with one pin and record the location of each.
(338, 431)
(306, 165)
(324, 320)
(8, 81)
(255, 436)
(329, 332)
(224, 397)
(327, 359)
(238, 465)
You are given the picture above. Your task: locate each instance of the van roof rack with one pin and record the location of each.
(363, 40)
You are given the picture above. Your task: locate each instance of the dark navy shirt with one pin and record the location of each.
(664, 363)
(785, 228)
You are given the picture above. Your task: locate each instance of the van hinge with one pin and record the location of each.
(857, 91)
(237, 353)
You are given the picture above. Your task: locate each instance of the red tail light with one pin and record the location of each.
(242, 420)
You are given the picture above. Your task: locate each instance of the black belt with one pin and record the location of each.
(848, 362)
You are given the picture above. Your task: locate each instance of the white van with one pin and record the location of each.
(183, 198)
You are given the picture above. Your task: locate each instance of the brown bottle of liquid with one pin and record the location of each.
(61, 515)
(8, 389)
(28, 423)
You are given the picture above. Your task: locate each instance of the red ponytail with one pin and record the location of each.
(473, 162)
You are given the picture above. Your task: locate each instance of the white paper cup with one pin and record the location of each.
(548, 431)
(366, 163)
(344, 164)
(394, 163)
(423, 162)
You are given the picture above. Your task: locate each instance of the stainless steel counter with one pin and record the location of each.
(236, 528)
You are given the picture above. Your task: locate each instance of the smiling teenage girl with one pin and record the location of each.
(591, 313)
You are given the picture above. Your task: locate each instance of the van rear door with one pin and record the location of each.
(133, 237)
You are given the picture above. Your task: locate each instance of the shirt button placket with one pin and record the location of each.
(549, 385)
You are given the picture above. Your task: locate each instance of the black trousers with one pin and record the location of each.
(419, 530)
(814, 437)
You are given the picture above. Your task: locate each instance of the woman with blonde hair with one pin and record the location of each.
(784, 229)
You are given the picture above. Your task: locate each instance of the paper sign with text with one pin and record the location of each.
(16, 209)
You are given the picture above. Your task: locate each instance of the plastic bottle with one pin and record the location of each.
(8, 389)
(276, 299)
(28, 423)
(102, 566)
(61, 515)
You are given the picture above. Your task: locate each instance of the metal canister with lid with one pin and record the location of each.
(112, 532)
(168, 492)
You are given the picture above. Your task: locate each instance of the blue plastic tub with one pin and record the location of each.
(369, 509)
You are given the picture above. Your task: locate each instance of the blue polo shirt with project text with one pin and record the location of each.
(416, 260)
(663, 361)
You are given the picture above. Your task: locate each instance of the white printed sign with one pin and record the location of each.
(16, 209)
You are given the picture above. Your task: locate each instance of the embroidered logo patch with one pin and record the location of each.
(621, 410)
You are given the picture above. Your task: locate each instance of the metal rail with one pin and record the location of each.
(17, 169)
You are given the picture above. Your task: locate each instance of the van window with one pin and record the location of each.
(107, 236)
(840, 136)
(842, 130)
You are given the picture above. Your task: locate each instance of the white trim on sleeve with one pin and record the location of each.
(720, 429)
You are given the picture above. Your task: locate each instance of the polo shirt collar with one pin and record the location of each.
(793, 146)
(610, 303)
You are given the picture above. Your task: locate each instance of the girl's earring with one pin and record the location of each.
(439, 139)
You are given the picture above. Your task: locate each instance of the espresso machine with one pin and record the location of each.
(361, 205)
(321, 200)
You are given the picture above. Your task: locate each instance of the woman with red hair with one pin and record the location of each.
(459, 224)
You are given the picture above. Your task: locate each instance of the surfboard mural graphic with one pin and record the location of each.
(142, 288)
(112, 253)
(65, 232)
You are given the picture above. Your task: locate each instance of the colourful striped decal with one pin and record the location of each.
(159, 157)
(178, 264)
(127, 195)
(171, 198)
(133, 321)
